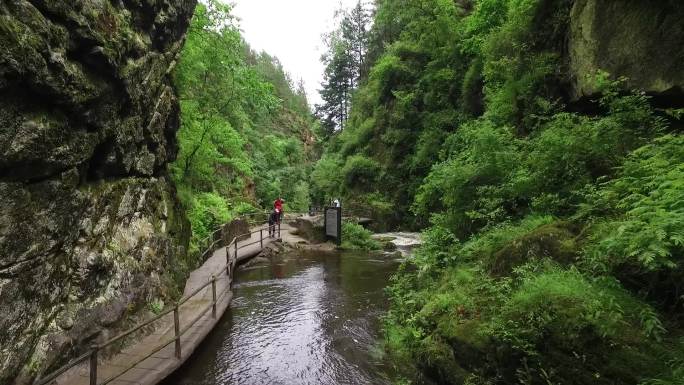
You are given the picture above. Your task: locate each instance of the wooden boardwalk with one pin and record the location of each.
(164, 362)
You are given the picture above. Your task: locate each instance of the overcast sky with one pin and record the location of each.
(291, 30)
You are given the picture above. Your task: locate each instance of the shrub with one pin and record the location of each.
(485, 244)
(437, 249)
(360, 172)
(156, 306)
(554, 312)
(299, 199)
(207, 213)
(648, 194)
(472, 186)
(355, 237)
(560, 305)
(472, 89)
(675, 375)
(325, 178)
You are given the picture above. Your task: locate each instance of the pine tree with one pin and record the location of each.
(344, 67)
(355, 35)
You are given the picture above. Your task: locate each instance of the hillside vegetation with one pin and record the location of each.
(550, 187)
(246, 134)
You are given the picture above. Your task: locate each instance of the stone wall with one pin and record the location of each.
(90, 228)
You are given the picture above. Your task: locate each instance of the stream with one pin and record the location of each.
(304, 318)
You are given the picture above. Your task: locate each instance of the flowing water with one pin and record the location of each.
(405, 242)
(305, 318)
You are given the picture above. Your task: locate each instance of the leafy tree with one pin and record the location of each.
(246, 134)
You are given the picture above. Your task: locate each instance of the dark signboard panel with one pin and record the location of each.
(333, 223)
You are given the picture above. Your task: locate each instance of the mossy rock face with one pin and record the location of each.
(90, 228)
(555, 241)
(638, 39)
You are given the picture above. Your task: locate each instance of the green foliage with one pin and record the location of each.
(356, 237)
(648, 194)
(564, 306)
(208, 212)
(299, 197)
(676, 374)
(245, 134)
(471, 91)
(325, 178)
(156, 306)
(437, 249)
(359, 172)
(485, 244)
(555, 237)
(470, 186)
(411, 86)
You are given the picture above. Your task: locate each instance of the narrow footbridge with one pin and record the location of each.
(169, 338)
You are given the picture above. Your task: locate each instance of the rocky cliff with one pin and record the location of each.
(638, 39)
(90, 228)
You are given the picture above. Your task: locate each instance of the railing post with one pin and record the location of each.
(93, 364)
(228, 260)
(236, 248)
(278, 230)
(176, 329)
(261, 237)
(213, 296)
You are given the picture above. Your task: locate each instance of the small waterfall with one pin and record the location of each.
(404, 241)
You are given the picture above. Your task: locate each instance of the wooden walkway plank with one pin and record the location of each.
(162, 363)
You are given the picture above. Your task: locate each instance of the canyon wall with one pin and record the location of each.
(90, 228)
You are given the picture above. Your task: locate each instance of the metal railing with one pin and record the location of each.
(93, 353)
(210, 242)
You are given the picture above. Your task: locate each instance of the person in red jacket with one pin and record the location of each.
(278, 206)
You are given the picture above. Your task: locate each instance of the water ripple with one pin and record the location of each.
(308, 320)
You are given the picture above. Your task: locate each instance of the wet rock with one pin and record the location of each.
(309, 228)
(90, 226)
(387, 242)
(258, 260)
(389, 246)
(274, 249)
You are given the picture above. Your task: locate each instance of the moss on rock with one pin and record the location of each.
(555, 241)
(91, 229)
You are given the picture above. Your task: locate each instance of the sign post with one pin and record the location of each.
(333, 223)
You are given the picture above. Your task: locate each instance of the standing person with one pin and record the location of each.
(278, 206)
(336, 203)
(272, 220)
